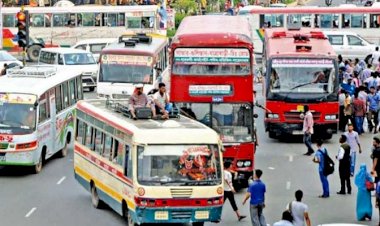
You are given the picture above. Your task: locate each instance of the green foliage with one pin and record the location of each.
(185, 6)
(178, 18)
(171, 33)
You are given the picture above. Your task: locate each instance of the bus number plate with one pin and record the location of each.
(2, 157)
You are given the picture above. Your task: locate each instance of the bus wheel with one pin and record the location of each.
(198, 223)
(38, 167)
(96, 202)
(33, 52)
(272, 135)
(65, 149)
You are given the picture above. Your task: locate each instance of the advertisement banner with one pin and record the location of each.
(302, 62)
(127, 60)
(211, 56)
(210, 89)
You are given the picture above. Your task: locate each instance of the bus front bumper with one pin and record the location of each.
(18, 158)
(280, 128)
(177, 215)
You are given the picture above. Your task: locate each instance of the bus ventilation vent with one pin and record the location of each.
(301, 39)
(32, 71)
(181, 192)
(303, 48)
(130, 41)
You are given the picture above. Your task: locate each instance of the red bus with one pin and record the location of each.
(300, 67)
(212, 81)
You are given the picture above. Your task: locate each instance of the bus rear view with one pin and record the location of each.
(301, 69)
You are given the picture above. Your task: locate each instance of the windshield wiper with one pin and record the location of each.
(295, 87)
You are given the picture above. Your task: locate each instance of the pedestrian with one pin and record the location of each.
(299, 210)
(354, 142)
(375, 57)
(342, 98)
(256, 193)
(363, 197)
(377, 194)
(366, 73)
(286, 219)
(359, 113)
(229, 190)
(308, 129)
(373, 105)
(344, 166)
(4, 70)
(375, 172)
(347, 111)
(320, 159)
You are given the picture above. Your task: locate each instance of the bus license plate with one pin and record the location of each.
(2, 157)
(297, 132)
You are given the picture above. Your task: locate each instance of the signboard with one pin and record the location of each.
(210, 90)
(1, 25)
(211, 56)
(15, 98)
(302, 62)
(127, 60)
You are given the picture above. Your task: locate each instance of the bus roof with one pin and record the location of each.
(281, 42)
(213, 31)
(316, 10)
(83, 9)
(150, 49)
(26, 81)
(146, 131)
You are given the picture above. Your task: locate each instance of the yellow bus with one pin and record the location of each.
(148, 171)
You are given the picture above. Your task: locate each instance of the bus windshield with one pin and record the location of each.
(19, 118)
(232, 121)
(302, 76)
(79, 59)
(180, 165)
(125, 73)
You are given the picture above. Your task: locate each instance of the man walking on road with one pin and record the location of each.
(308, 130)
(375, 172)
(354, 142)
(344, 166)
(229, 190)
(256, 192)
(320, 159)
(299, 210)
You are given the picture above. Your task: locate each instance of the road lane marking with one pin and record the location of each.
(290, 158)
(271, 168)
(61, 180)
(287, 185)
(30, 212)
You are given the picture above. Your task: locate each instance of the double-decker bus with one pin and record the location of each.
(212, 81)
(361, 20)
(133, 59)
(37, 114)
(64, 26)
(148, 171)
(301, 69)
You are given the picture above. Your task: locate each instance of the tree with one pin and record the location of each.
(185, 6)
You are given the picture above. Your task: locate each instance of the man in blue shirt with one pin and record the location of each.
(320, 159)
(373, 99)
(256, 192)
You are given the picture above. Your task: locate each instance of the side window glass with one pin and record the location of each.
(65, 95)
(354, 41)
(89, 139)
(83, 47)
(58, 99)
(60, 59)
(99, 142)
(72, 98)
(80, 131)
(335, 39)
(107, 146)
(79, 89)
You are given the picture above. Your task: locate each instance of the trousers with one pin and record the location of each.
(257, 216)
(325, 184)
(230, 196)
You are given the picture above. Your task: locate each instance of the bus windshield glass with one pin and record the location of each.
(208, 61)
(79, 59)
(126, 69)
(180, 165)
(17, 113)
(232, 121)
(302, 76)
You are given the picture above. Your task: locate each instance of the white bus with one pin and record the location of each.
(64, 26)
(148, 171)
(131, 60)
(37, 114)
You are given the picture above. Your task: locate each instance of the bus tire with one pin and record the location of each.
(33, 52)
(198, 223)
(95, 200)
(63, 152)
(272, 135)
(38, 167)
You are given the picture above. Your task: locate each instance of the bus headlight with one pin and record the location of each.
(141, 191)
(273, 116)
(240, 163)
(330, 117)
(219, 190)
(247, 163)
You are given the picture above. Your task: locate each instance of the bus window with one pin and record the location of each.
(107, 146)
(80, 131)
(374, 20)
(357, 21)
(98, 19)
(72, 97)
(326, 21)
(79, 89)
(99, 142)
(58, 99)
(89, 138)
(60, 20)
(128, 162)
(43, 111)
(65, 95)
(9, 20)
(112, 20)
(134, 22)
(47, 20)
(274, 20)
(88, 19)
(117, 152)
(121, 20)
(37, 20)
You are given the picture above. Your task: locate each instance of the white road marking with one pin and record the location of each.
(61, 180)
(30, 212)
(290, 158)
(287, 185)
(271, 168)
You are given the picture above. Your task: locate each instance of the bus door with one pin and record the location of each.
(53, 121)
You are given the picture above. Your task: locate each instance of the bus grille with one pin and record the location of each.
(178, 214)
(181, 192)
(3, 146)
(293, 116)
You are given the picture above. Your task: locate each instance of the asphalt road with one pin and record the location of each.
(54, 198)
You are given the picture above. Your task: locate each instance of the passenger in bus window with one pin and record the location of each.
(140, 100)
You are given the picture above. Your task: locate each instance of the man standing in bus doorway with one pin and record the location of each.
(308, 130)
(229, 191)
(256, 192)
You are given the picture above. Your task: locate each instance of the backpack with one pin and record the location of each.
(328, 164)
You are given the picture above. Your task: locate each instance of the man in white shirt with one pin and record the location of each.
(286, 220)
(161, 101)
(308, 124)
(229, 190)
(354, 142)
(299, 210)
(375, 57)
